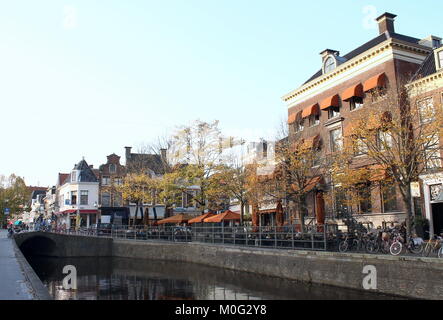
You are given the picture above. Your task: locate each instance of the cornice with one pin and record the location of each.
(381, 48)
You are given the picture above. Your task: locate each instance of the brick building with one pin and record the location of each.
(111, 202)
(322, 108)
(428, 86)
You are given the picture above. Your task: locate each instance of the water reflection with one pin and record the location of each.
(131, 279)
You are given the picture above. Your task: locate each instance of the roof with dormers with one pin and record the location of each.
(86, 172)
(369, 45)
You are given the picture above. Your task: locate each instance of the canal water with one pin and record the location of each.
(132, 279)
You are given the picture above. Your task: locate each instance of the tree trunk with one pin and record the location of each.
(407, 202)
(242, 212)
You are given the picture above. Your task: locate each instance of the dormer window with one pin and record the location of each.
(73, 176)
(329, 65)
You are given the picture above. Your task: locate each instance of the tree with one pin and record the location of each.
(399, 134)
(14, 195)
(196, 154)
(138, 188)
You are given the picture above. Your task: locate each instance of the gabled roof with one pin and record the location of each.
(368, 45)
(153, 162)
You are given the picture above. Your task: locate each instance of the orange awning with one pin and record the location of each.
(201, 218)
(333, 101)
(310, 185)
(312, 110)
(180, 218)
(294, 117)
(355, 91)
(375, 82)
(226, 216)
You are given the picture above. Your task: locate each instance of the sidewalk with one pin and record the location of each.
(13, 283)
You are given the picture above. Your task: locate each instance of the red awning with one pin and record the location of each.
(201, 218)
(88, 211)
(312, 110)
(355, 91)
(294, 117)
(226, 216)
(375, 82)
(310, 184)
(333, 101)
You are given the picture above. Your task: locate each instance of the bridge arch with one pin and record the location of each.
(39, 245)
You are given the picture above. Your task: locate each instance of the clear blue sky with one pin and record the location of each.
(86, 78)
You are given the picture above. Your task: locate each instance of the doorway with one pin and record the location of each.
(437, 217)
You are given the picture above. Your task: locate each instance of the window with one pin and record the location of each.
(340, 203)
(105, 181)
(440, 59)
(73, 197)
(329, 65)
(314, 120)
(436, 43)
(426, 110)
(118, 181)
(117, 200)
(73, 176)
(316, 159)
(435, 191)
(333, 112)
(106, 199)
(364, 197)
(84, 197)
(112, 168)
(360, 147)
(389, 198)
(336, 140)
(356, 103)
(299, 126)
(385, 140)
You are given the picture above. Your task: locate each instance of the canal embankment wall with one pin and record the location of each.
(412, 277)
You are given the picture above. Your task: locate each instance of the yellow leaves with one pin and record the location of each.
(138, 187)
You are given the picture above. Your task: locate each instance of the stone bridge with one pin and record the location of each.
(61, 245)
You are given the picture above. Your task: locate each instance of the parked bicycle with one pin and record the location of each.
(433, 246)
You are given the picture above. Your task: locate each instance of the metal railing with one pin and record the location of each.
(285, 237)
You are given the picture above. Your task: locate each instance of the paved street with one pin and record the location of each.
(13, 284)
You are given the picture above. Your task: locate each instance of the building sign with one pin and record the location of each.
(415, 189)
(435, 191)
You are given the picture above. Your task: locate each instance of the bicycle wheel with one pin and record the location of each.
(426, 250)
(416, 248)
(372, 247)
(343, 246)
(396, 248)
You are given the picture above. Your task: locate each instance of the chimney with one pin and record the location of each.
(128, 153)
(163, 155)
(386, 22)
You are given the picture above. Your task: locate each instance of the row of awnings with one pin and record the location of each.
(357, 90)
